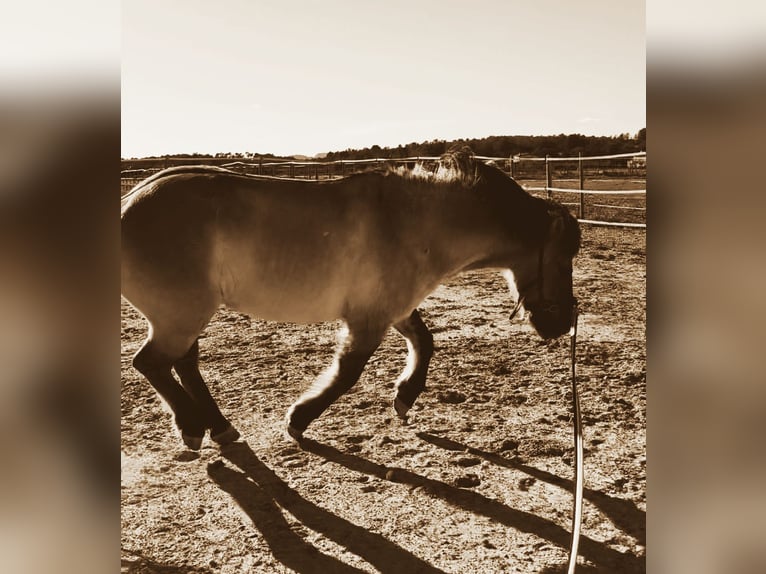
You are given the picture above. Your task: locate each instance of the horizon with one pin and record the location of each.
(320, 155)
(255, 77)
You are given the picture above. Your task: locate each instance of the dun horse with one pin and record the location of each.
(366, 249)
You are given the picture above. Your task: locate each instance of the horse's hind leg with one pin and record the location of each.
(355, 349)
(420, 346)
(156, 366)
(187, 368)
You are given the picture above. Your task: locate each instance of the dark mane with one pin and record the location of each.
(570, 233)
(472, 172)
(457, 165)
(461, 161)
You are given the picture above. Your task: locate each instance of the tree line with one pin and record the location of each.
(561, 145)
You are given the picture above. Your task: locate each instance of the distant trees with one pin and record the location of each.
(219, 155)
(562, 145)
(565, 145)
(641, 138)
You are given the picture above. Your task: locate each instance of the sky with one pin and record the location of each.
(312, 76)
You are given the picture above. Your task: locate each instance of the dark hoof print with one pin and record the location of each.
(227, 436)
(192, 442)
(467, 481)
(451, 397)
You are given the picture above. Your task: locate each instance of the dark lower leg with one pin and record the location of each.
(157, 369)
(348, 365)
(420, 344)
(187, 368)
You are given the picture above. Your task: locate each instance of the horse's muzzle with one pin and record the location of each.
(551, 319)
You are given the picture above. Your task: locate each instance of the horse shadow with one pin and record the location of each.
(603, 558)
(140, 564)
(262, 495)
(624, 514)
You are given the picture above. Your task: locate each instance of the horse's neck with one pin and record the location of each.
(476, 237)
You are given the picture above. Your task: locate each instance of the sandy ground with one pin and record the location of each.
(480, 479)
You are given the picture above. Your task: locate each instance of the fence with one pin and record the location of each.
(603, 173)
(535, 174)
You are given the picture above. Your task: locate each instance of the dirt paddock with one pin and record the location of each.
(478, 481)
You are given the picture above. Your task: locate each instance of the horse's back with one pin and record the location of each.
(280, 250)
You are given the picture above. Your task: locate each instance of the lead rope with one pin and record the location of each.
(578, 452)
(516, 308)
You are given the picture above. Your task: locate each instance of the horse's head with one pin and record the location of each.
(543, 278)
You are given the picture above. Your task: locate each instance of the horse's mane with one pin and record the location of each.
(570, 232)
(459, 166)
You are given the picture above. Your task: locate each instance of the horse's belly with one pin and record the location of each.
(287, 295)
(312, 276)
(290, 305)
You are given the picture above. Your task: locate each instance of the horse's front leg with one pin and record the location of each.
(357, 345)
(420, 346)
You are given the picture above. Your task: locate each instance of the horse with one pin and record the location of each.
(365, 249)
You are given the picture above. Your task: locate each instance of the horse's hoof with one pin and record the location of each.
(226, 436)
(294, 433)
(192, 442)
(401, 408)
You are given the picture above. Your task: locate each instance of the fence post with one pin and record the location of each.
(582, 180)
(260, 166)
(547, 177)
(510, 161)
